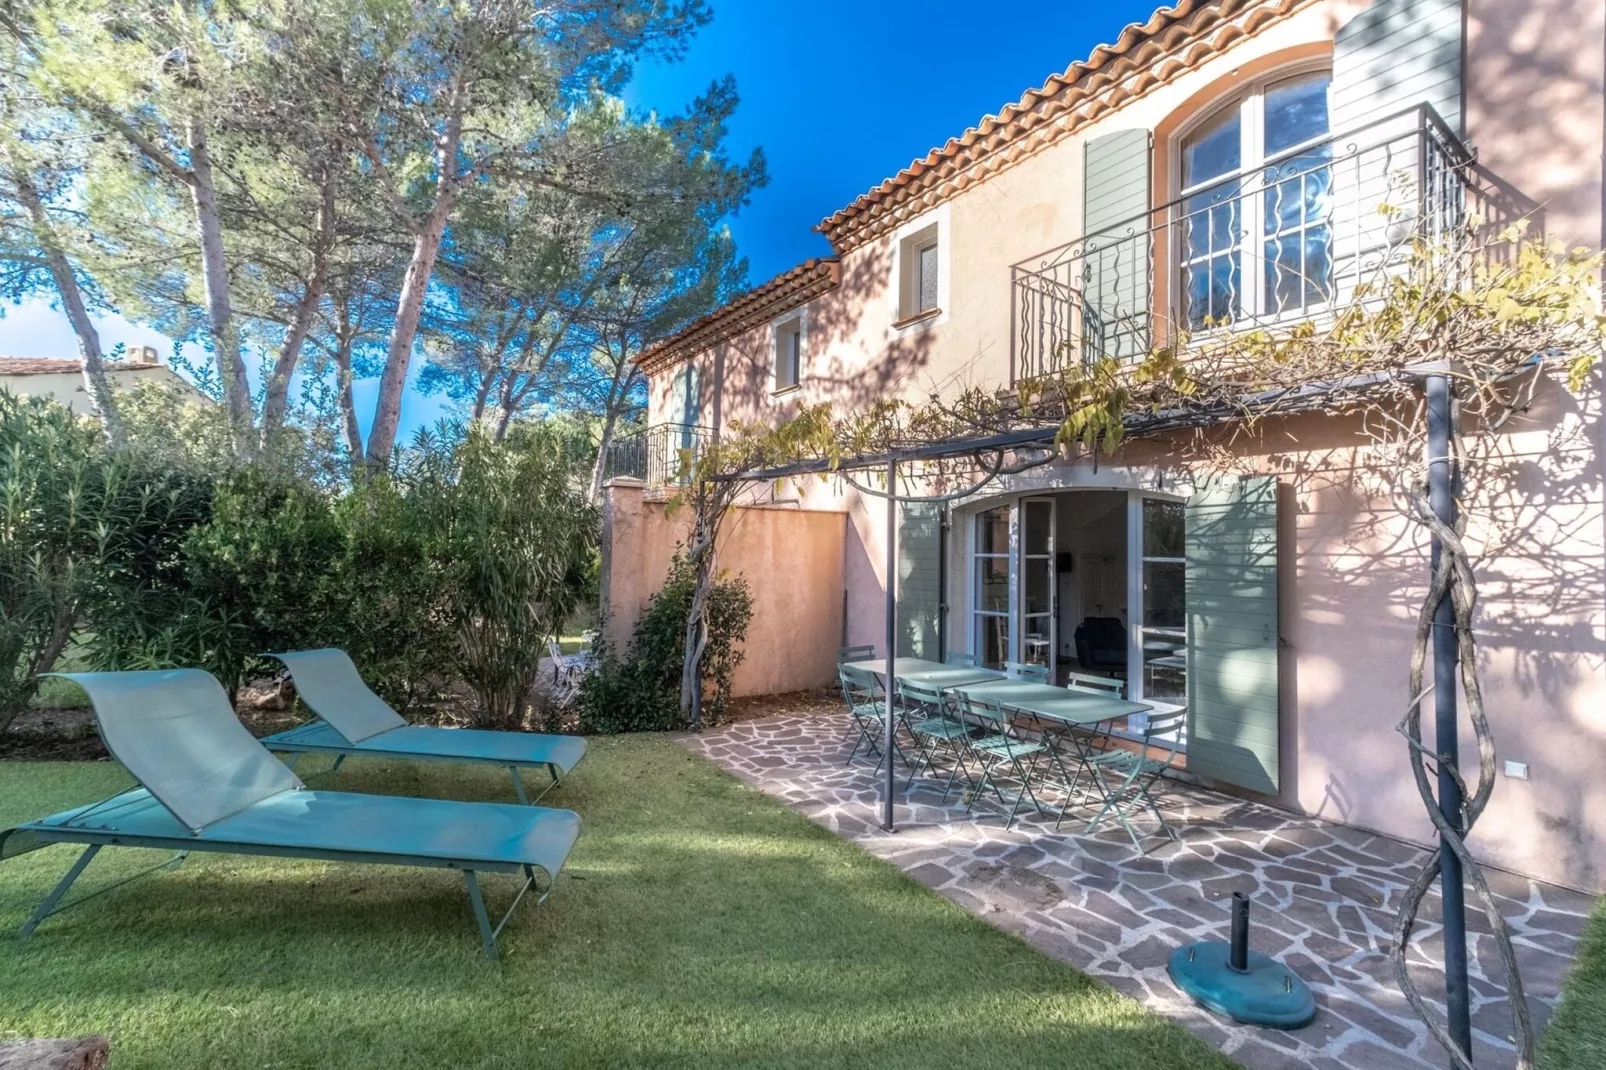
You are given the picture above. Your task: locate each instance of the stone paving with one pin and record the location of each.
(1323, 896)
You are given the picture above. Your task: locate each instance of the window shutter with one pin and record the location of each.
(1232, 632)
(1395, 54)
(920, 580)
(1115, 310)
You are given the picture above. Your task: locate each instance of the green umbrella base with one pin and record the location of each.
(1266, 994)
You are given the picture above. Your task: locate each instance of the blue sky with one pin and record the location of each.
(840, 95)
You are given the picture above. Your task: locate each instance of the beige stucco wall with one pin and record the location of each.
(69, 388)
(792, 561)
(1354, 571)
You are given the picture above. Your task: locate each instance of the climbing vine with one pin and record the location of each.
(1497, 313)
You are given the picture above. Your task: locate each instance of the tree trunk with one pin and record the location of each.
(610, 419)
(214, 272)
(415, 285)
(348, 403)
(90, 1053)
(72, 302)
(276, 403)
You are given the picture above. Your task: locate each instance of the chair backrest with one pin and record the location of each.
(979, 709)
(1016, 670)
(967, 661)
(554, 650)
(328, 683)
(911, 691)
(863, 652)
(859, 686)
(1165, 727)
(174, 730)
(1104, 685)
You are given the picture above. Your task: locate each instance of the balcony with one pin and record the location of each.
(1285, 241)
(660, 455)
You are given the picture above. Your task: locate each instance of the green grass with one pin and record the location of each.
(699, 924)
(1576, 1038)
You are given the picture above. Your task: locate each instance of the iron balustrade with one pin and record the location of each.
(1287, 240)
(660, 455)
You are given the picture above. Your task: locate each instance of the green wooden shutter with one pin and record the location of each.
(920, 580)
(1115, 306)
(1395, 54)
(1232, 632)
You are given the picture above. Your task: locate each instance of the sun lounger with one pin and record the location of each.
(206, 785)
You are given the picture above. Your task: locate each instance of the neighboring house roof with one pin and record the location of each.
(780, 294)
(65, 365)
(1144, 56)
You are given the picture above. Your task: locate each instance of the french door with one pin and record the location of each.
(1038, 579)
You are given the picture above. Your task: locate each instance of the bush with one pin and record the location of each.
(640, 691)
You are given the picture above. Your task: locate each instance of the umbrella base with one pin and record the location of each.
(1266, 994)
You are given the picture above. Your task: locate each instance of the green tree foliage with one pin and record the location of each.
(638, 690)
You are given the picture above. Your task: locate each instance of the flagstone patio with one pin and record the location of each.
(1323, 896)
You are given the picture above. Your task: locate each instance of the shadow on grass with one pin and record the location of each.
(698, 923)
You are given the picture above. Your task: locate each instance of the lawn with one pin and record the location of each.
(1576, 1039)
(699, 923)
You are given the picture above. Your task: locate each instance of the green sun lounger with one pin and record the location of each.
(354, 720)
(206, 785)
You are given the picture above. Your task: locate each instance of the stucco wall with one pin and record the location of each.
(69, 389)
(791, 559)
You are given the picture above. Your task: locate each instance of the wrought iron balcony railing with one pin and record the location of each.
(660, 455)
(1287, 240)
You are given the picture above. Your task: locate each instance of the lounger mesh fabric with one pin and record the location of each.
(202, 767)
(329, 683)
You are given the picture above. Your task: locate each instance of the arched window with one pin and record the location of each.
(1256, 187)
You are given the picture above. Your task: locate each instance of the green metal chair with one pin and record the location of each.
(1104, 685)
(935, 731)
(206, 785)
(998, 748)
(867, 707)
(1126, 778)
(962, 660)
(1019, 670)
(863, 652)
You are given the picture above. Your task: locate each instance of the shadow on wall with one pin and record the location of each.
(1360, 571)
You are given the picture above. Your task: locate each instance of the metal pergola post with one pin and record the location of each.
(888, 688)
(1447, 742)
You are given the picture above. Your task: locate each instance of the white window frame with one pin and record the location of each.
(779, 329)
(907, 241)
(1250, 100)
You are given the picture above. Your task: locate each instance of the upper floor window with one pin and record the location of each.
(919, 274)
(788, 338)
(1256, 236)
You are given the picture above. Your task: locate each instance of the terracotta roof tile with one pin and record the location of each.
(763, 302)
(64, 365)
(1144, 56)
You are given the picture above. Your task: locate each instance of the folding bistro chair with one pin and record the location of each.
(862, 652)
(1016, 670)
(964, 661)
(1104, 685)
(934, 730)
(997, 748)
(353, 720)
(206, 785)
(1127, 778)
(867, 706)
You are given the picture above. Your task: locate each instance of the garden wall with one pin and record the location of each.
(791, 559)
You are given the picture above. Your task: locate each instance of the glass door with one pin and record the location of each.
(1037, 581)
(1164, 620)
(990, 567)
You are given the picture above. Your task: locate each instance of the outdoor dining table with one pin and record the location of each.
(933, 674)
(1058, 710)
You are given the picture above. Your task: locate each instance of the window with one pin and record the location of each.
(990, 564)
(1164, 621)
(786, 356)
(1256, 234)
(919, 274)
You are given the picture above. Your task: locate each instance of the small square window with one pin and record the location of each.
(919, 274)
(788, 353)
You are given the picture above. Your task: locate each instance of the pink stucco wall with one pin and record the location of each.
(1353, 570)
(791, 559)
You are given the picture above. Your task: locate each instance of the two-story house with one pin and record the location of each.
(1224, 160)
